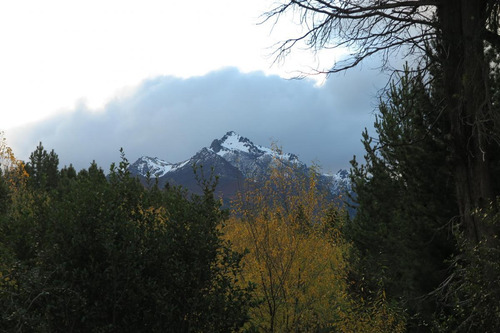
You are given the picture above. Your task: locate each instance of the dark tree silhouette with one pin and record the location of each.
(454, 35)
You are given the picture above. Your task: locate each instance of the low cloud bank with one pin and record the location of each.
(172, 118)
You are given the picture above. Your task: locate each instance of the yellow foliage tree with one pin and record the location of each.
(297, 258)
(13, 178)
(10, 167)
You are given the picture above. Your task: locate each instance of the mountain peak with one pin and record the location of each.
(232, 141)
(155, 166)
(234, 158)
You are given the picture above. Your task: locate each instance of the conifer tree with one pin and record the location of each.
(43, 168)
(457, 35)
(105, 255)
(402, 227)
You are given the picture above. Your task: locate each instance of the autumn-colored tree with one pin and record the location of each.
(12, 170)
(13, 178)
(297, 257)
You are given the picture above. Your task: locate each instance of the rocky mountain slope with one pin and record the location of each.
(234, 159)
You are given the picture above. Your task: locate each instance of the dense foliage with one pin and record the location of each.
(82, 252)
(407, 229)
(404, 202)
(432, 169)
(298, 259)
(472, 291)
(86, 252)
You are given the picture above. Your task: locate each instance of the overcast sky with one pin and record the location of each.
(164, 78)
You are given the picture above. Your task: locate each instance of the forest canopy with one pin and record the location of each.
(88, 252)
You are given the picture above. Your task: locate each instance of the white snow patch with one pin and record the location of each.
(236, 143)
(158, 167)
(233, 143)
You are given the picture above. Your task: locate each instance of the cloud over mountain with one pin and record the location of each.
(171, 118)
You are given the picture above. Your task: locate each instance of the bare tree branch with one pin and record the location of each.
(367, 26)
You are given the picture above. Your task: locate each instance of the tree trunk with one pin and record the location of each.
(465, 76)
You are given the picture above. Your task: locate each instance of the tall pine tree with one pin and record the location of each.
(404, 199)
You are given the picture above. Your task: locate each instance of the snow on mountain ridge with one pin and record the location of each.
(155, 166)
(339, 182)
(235, 159)
(250, 159)
(253, 161)
(234, 143)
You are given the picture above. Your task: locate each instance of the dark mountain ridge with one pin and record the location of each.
(234, 159)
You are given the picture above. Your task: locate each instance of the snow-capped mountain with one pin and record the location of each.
(155, 167)
(251, 159)
(234, 159)
(339, 182)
